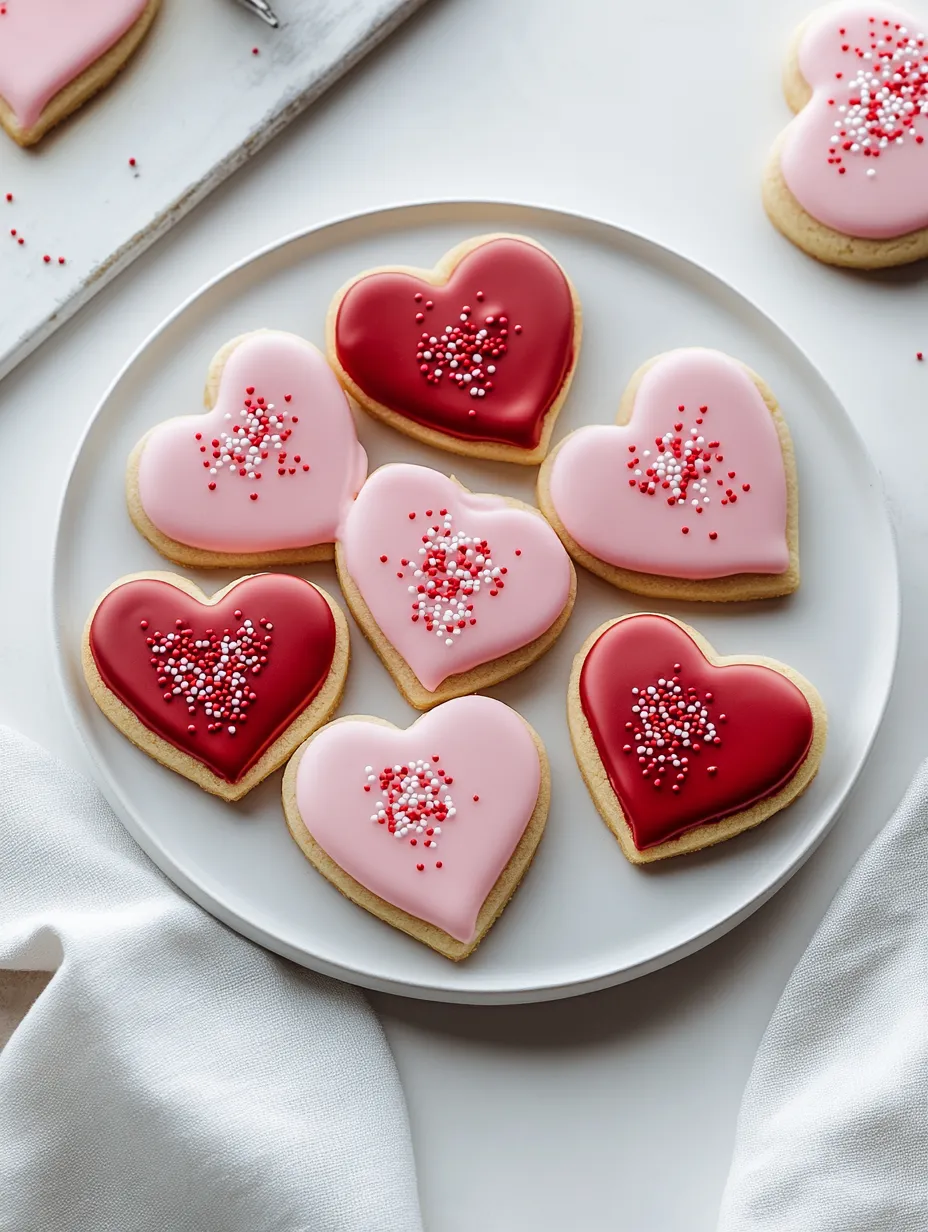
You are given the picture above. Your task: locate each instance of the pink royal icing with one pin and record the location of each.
(855, 157)
(475, 772)
(45, 44)
(271, 466)
(452, 579)
(693, 486)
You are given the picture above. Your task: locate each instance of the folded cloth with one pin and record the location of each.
(173, 1077)
(833, 1130)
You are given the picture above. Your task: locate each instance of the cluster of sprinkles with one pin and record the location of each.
(466, 353)
(885, 95)
(671, 723)
(452, 569)
(262, 430)
(14, 231)
(215, 671)
(414, 802)
(679, 467)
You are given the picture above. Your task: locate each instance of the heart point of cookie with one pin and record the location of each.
(54, 56)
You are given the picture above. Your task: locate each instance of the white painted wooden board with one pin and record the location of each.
(192, 105)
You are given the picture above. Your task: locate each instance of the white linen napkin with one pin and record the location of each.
(833, 1130)
(173, 1077)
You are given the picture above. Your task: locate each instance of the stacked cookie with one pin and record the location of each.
(690, 495)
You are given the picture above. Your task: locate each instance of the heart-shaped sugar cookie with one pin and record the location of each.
(431, 828)
(847, 181)
(55, 54)
(455, 591)
(221, 690)
(691, 495)
(265, 476)
(475, 356)
(681, 748)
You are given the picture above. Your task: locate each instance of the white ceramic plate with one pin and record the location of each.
(583, 918)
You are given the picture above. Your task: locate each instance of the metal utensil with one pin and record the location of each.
(263, 10)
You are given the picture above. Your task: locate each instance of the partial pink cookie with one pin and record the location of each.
(455, 591)
(848, 179)
(54, 54)
(431, 828)
(692, 494)
(266, 475)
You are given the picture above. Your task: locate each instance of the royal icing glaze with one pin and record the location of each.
(271, 466)
(693, 486)
(684, 742)
(452, 579)
(482, 358)
(855, 157)
(218, 681)
(45, 44)
(426, 818)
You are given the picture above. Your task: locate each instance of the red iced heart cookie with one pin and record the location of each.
(680, 748)
(431, 828)
(455, 591)
(221, 690)
(475, 356)
(691, 495)
(55, 54)
(265, 476)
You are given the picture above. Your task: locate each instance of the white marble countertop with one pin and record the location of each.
(615, 1110)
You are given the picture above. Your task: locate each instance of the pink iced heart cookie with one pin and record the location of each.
(55, 54)
(691, 495)
(431, 828)
(455, 591)
(848, 179)
(265, 476)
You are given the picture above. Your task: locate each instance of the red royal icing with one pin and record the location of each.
(495, 385)
(148, 638)
(729, 736)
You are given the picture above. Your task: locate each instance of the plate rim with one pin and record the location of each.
(435, 990)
